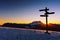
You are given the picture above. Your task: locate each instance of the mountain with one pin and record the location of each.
(34, 25)
(37, 25)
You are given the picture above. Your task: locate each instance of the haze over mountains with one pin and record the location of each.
(34, 25)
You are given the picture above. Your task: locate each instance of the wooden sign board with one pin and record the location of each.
(43, 9)
(51, 13)
(43, 15)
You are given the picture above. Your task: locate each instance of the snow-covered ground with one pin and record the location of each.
(27, 34)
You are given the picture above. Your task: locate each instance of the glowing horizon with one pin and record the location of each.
(26, 22)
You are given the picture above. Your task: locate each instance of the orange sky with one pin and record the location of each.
(2, 21)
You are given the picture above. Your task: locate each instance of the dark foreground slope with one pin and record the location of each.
(27, 34)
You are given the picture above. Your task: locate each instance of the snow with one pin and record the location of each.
(27, 34)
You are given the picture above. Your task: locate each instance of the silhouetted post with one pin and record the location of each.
(46, 15)
(46, 23)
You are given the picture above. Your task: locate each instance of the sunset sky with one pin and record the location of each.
(26, 11)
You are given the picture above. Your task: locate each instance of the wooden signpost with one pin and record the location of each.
(46, 15)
